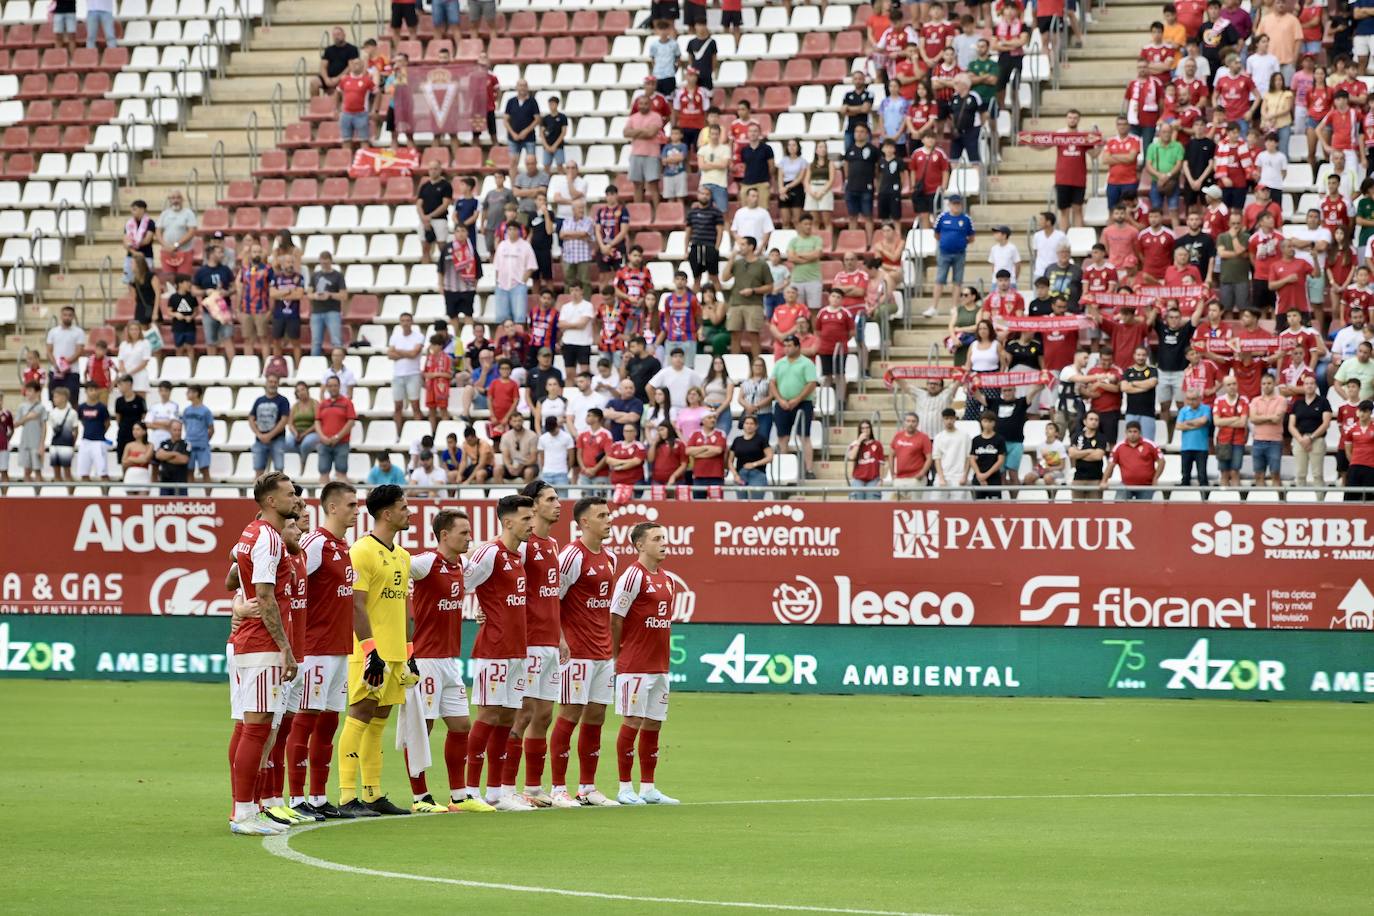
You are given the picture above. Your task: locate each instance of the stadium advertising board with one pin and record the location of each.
(1230, 566)
(771, 658)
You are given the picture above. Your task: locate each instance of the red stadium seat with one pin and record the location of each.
(322, 108)
(816, 45)
(670, 216)
(123, 313)
(847, 45)
(777, 99)
(17, 167)
(617, 22)
(467, 159)
(468, 48)
(336, 162)
(247, 219)
(521, 24)
(305, 163)
(851, 240)
(296, 136)
(362, 308)
(66, 86)
(37, 112)
(239, 193)
(85, 60)
(272, 164)
(554, 22)
(561, 50)
(55, 60)
(101, 111)
(641, 215)
(532, 48)
(46, 138)
(327, 135)
(96, 84)
(114, 59)
(594, 48)
(19, 36)
(437, 154)
(833, 71)
(216, 219)
(279, 218)
(765, 72)
(748, 94)
(434, 47)
(651, 242)
(798, 72)
(398, 190)
(24, 60)
(303, 192)
(69, 111)
(367, 190)
(584, 23)
(413, 50)
(270, 191)
(502, 50)
(33, 86)
(335, 190)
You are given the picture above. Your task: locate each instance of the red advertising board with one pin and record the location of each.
(943, 564)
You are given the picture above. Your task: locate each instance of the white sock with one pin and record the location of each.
(456, 795)
(297, 800)
(645, 788)
(244, 809)
(318, 800)
(508, 790)
(583, 788)
(419, 798)
(627, 787)
(273, 802)
(533, 790)
(474, 792)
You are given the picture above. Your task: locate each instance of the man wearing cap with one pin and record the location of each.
(953, 233)
(537, 378)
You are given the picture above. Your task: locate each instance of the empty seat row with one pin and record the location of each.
(66, 223)
(30, 195)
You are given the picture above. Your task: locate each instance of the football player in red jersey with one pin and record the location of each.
(544, 654)
(641, 627)
(291, 598)
(436, 641)
(496, 573)
(587, 576)
(328, 642)
(263, 659)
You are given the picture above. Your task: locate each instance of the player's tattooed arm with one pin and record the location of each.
(271, 620)
(231, 578)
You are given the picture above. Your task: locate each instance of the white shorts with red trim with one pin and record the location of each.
(235, 712)
(257, 688)
(499, 682)
(542, 678)
(325, 681)
(291, 693)
(643, 696)
(441, 687)
(588, 680)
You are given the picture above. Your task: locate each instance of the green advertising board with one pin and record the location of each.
(984, 661)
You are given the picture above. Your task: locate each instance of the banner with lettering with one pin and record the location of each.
(1099, 564)
(447, 98)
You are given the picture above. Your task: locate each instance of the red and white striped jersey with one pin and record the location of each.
(645, 600)
(258, 555)
(437, 605)
(329, 625)
(497, 575)
(585, 582)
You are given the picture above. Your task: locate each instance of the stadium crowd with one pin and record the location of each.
(1257, 341)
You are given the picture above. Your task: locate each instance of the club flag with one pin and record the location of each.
(447, 98)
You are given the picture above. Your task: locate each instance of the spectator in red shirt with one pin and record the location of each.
(911, 458)
(503, 394)
(355, 127)
(1140, 463)
(865, 459)
(1288, 280)
(335, 418)
(667, 456)
(1359, 453)
(834, 325)
(1231, 416)
(1071, 174)
(1105, 392)
(626, 459)
(1127, 331)
(1265, 251)
(706, 449)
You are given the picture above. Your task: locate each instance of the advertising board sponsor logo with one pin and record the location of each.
(623, 521)
(1128, 607)
(31, 655)
(922, 534)
(1358, 605)
(800, 603)
(171, 527)
(1198, 670)
(736, 665)
(776, 531)
(956, 675)
(1285, 538)
(901, 608)
(684, 599)
(179, 592)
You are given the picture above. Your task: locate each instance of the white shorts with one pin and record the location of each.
(405, 388)
(256, 688)
(291, 698)
(543, 680)
(235, 712)
(1364, 45)
(325, 683)
(499, 682)
(588, 680)
(90, 458)
(643, 696)
(441, 686)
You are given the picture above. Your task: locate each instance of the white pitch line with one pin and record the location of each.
(280, 846)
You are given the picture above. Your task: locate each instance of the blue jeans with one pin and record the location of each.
(944, 261)
(1157, 197)
(103, 22)
(447, 12)
(720, 198)
(1193, 459)
(765, 419)
(558, 480)
(275, 450)
(1115, 192)
(866, 484)
(1265, 456)
(520, 146)
(319, 323)
(333, 457)
(1145, 495)
(1147, 135)
(753, 477)
(512, 303)
(303, 446)
(1147, 424)
(559, 156)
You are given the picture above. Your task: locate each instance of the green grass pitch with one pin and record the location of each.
(116, 796)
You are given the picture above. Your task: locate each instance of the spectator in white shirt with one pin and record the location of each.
(161, 413)
(582, 399)
(427, 474)
(950, 454)
(405, 346)
(1045, 243)
(752, 221)
(678, 378)
(555, 450)
(564, 189)
(575, 319)
(347, 379)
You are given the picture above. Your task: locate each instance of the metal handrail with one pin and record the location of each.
(301, 74)
(87, 204)
(217, 167)
(106, 279)
(825, 492)
(16, 276)
(193, 188)
(251, 128)
(278, 115)
(377, 7)
(355, 22)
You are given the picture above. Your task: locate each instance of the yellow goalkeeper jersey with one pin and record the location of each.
(384, 573)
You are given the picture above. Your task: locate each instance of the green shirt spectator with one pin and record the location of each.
(792, 375)
(1365, 210)
(809, 271)
(984, 67)
(1164, 156)
(749, 275)
(1234, 270)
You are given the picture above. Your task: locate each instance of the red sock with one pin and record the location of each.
(560, 742)
(588, 753)
(648, 754)
(478, 739)
(322, 751)
(496, 753)
(625, 752)
(535, 749)
(455, 756)
(247, 757)
(276, 765)
(417, 783)
(234, 738)
(298, 750)
(510, 766)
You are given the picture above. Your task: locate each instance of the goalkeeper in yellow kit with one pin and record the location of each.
(378, 669)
